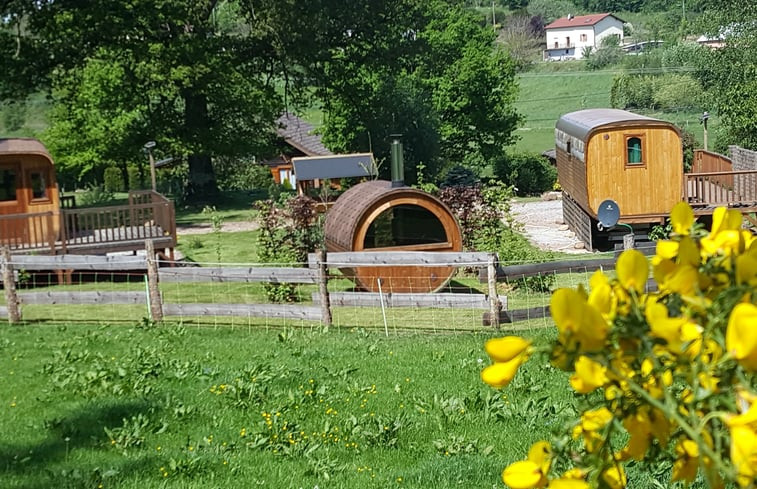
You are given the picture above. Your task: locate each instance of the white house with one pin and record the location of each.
(568, 37)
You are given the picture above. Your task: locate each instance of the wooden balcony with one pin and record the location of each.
(95, 230)
(713, 182)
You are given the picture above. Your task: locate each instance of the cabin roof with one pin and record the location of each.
(18, 146)
(301, 135)
(582, 123)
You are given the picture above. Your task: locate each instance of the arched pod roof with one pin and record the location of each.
(23, 146)
(583, 123)
(353, 209)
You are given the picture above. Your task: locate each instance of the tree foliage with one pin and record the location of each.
(730, 73)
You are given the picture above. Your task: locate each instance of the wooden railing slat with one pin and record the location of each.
(280, 311)
(248, 274)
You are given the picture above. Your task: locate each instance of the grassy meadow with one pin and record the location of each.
(143, 406)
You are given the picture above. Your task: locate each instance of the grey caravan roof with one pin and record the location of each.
(336, 166)
(582, 123)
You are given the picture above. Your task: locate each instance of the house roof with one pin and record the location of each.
(336, 166)
(300, 135)
(579, 21)
(15, 146)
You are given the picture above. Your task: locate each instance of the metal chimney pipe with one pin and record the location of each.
(398, 162)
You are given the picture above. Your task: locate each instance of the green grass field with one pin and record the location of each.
(160, 407)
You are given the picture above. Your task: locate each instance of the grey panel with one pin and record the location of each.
(339, 166)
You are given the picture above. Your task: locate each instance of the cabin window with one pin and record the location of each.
(634, 151)
(404, 225)
(38, 184)
(8, 179)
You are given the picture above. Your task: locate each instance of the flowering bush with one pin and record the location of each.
(667, 377)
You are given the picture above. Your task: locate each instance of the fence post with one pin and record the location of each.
(153, 291)
(494, 303)
(323, 287)
(9, 284)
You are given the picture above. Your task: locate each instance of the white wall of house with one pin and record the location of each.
(570, 42)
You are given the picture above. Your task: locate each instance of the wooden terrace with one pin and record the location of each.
(713, 183)
(94, 230)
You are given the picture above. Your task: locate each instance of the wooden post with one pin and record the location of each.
(323, 287)
(494, 304)
(153, 291)
(9, 284)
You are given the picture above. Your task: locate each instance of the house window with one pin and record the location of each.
(556, 45)
(583, 38)
(634, 151)
(38, 184)
(7, 184)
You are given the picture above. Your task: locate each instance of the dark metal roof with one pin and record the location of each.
(582, 123)
(300, 135)
(337, 166)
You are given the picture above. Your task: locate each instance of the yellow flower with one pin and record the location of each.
(591, 422)
(682, 218)
(523, 475)
(506, 348)
(744, 453)
(501, 373)
(540, 453)
(615, 477)
(632, 269)
(687, 461)
(639, 427)
(589, 375)
(563, 483)
(580, 324)
(746, 268)
(741, 335)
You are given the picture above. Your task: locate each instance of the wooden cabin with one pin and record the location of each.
(377, 216)
(636, 161)
(32, 219)
(27, 186)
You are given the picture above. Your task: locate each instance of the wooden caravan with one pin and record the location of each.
(636, 161)
(375, 216)
(28, 187)
(32, 220)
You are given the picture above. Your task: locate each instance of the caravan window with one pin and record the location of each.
(8, 178)
(634, 151)
(38, 183)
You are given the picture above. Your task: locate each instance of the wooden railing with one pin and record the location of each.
(721, 188)
(148, 216)
(709, 162)
(28, 231)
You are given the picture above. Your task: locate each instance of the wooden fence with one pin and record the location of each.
(494, 307)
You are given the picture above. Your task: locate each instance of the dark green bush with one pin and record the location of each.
(529, 173)
(113, 179)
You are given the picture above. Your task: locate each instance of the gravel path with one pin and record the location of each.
(543, 225)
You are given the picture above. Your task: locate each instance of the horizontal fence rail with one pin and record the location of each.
(162, 283)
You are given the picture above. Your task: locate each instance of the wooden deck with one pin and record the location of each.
(95, 230)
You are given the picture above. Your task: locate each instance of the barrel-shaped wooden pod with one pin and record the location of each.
(374, 216)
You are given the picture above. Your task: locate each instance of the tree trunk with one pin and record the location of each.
(201, 184)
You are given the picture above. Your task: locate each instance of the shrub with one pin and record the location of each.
(487, 225)
(288, 232)
(113, 179)
(96, 195)
(666, 379)
(135, 178)
(529, 173)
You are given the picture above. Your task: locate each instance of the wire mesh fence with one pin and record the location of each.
(295, 295)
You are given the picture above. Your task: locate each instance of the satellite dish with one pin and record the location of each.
(608, 214)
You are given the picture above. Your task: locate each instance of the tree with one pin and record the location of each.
(433, 76)
(730, 73)
(123, 73)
